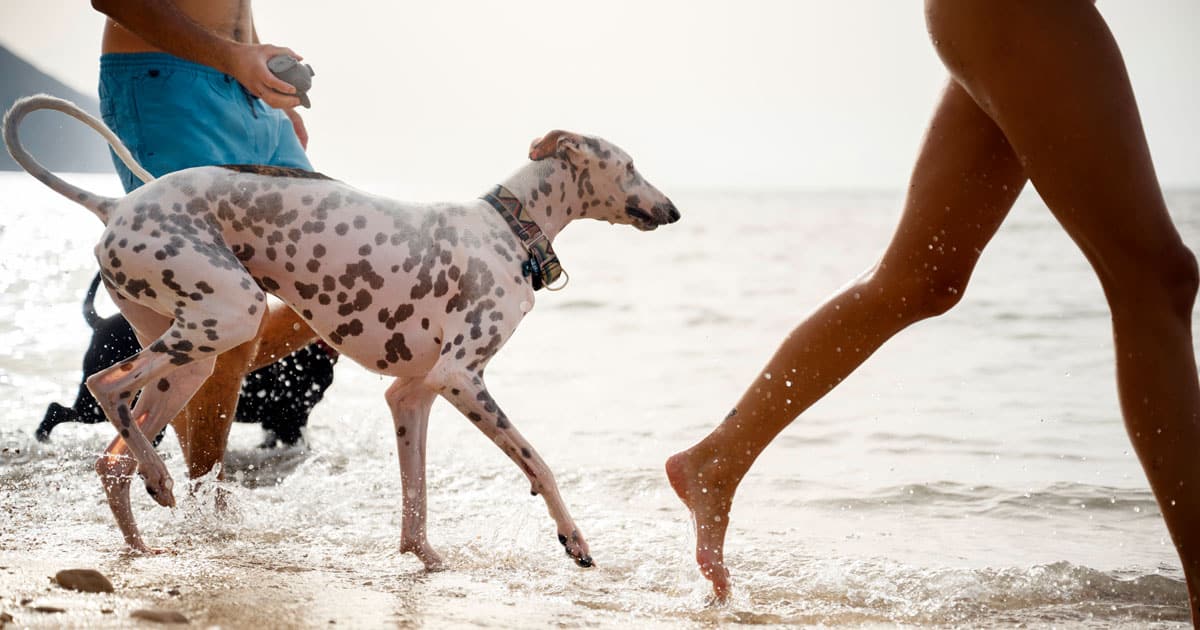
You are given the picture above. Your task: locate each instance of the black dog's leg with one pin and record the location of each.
(282, 395)
(56, 414)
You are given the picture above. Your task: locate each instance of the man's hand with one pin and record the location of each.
(298, 125)
(249, 67)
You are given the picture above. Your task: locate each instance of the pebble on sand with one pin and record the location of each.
(159, 616)
(83, 580)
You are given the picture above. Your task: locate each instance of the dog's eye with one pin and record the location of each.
(629, 168)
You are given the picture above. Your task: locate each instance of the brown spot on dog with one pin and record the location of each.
(306, 291)
(396, 348)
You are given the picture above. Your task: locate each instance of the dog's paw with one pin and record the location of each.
(434, 564)
(424, 552)
(577, 549)
(160, 489)
(145, 550)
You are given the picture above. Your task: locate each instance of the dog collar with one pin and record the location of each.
(542, 268)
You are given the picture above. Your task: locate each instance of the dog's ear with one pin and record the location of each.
(553, 144)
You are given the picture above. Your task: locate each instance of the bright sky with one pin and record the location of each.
(441, 99)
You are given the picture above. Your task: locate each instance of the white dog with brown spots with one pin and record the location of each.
(424, 293)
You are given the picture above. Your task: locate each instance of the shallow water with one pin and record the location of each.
(975, 473)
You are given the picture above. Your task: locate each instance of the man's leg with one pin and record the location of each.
(964, 182)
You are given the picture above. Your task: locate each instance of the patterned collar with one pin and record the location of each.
(542, 267)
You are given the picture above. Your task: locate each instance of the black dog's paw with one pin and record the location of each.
(56, 414)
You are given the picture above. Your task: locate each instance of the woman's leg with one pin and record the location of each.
(963, 184)
(1051, 76)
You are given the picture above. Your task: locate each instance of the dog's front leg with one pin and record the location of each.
(466, 391)
(410, 402)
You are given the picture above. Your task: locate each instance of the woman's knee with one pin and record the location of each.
(918, 296)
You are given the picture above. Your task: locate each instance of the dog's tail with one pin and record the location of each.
(89, 304)
(97, 204)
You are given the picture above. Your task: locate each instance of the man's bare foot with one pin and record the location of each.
(708, 497)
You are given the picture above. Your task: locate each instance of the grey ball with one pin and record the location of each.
(299, 75)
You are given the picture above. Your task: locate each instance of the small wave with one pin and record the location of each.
(873, 591)
(700, 316)
(582, 305)
(918, 438)
(991, 500)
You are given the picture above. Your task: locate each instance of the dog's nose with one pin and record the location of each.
(666, 210)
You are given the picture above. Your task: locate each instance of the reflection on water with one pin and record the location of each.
(974, 473)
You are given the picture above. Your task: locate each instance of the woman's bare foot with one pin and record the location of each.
(708, 495)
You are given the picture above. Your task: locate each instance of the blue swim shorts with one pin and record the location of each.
(173, 114)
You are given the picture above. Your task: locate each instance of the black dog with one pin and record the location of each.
(280, 395)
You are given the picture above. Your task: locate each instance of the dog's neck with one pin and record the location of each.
(548, 194)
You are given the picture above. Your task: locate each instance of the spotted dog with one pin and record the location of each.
(424, 293)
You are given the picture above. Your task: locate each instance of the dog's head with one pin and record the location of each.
(608, 186)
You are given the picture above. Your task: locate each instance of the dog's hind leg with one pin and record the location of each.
(467, 392)
(205, 324)
(410, 402)
(155, 407)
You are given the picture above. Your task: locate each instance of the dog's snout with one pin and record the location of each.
(666, 212)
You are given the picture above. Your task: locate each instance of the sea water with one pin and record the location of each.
(973, 473)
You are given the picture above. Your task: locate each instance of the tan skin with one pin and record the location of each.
(219, 34)
(1038, 92)
(216, 33)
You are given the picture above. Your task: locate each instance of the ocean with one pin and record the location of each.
(974, 473)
